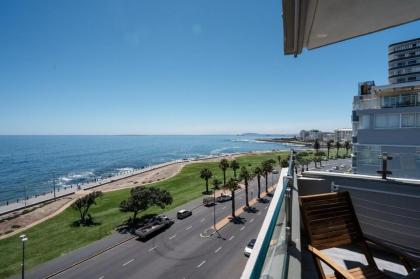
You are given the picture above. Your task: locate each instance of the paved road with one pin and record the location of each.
(328, 165)
(178, 252)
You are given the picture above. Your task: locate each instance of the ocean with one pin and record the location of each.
(35, 163)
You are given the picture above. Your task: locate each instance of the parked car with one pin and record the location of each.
(249, 247)
(182, 214)
(275, 171)
(209, 201)
(223, 198)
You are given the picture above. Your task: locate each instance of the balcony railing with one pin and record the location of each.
(363, 102)
(269, 258)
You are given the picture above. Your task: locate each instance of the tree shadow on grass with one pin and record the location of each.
(130, 225)
(89, 222)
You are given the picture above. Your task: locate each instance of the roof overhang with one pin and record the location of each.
(315, 23)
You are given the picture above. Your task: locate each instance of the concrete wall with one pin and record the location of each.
(388, 210)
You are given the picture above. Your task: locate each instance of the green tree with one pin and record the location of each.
(267, 167)
(246, 176)
(279, 159)
(329, 144)
(216, 183)
(141, 198)
(258, 172)
(284, 163)
(206, 174)
(337, 145)
(347, 145)
(232, 185)
(234, 165)
(224, 165)
(317, 146)
(83, 204)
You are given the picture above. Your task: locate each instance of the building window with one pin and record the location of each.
(387, 121)
(380, 121)
(364, 122)
(411, 62)
(407, 100)
(411, 79)
(389, 101)
(400, 80)
(408, 120)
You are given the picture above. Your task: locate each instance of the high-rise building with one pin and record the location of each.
(404, 61)
(386, 119)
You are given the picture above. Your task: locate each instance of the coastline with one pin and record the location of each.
(23, 218)
(286, 141)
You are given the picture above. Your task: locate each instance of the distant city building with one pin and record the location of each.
(304, 135)
(315, 135)
(343, 134)
(404, 61)
(327, 136)
(387, 119)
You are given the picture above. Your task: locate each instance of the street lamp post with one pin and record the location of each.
(23, 238)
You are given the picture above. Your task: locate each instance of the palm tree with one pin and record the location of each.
(216, 183)
(232, 186)
(234, 165)
(329, 144)
(258, 172)
(347, 145)
(316, 146)
(224, 165)
(279, 159)
(337, 145)
(206, 174)
(267, 167)
(246, 176)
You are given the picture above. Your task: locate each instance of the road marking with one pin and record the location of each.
(188, 228)
(202, 220)
(241, 229)
(130, 261)
(232, 237)
(153, 248)
(266, 207)
(252, 220)
(172, 237)
(218, 249)
(102, 277)
(203, 262)
(224, 207)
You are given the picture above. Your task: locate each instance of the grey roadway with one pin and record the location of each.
(178, 252)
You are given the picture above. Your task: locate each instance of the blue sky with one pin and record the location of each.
(173, 67)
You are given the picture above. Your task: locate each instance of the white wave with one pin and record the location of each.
(127, 169)
(75, 176)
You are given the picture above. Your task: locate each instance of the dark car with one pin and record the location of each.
(182, 214)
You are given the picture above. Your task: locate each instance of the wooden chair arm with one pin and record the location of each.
(405, 258)
(330, 262)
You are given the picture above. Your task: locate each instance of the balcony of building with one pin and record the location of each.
(387, 211)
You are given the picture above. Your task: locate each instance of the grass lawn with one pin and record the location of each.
(56, 236)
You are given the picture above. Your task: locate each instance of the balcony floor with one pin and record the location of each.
(350, 257)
